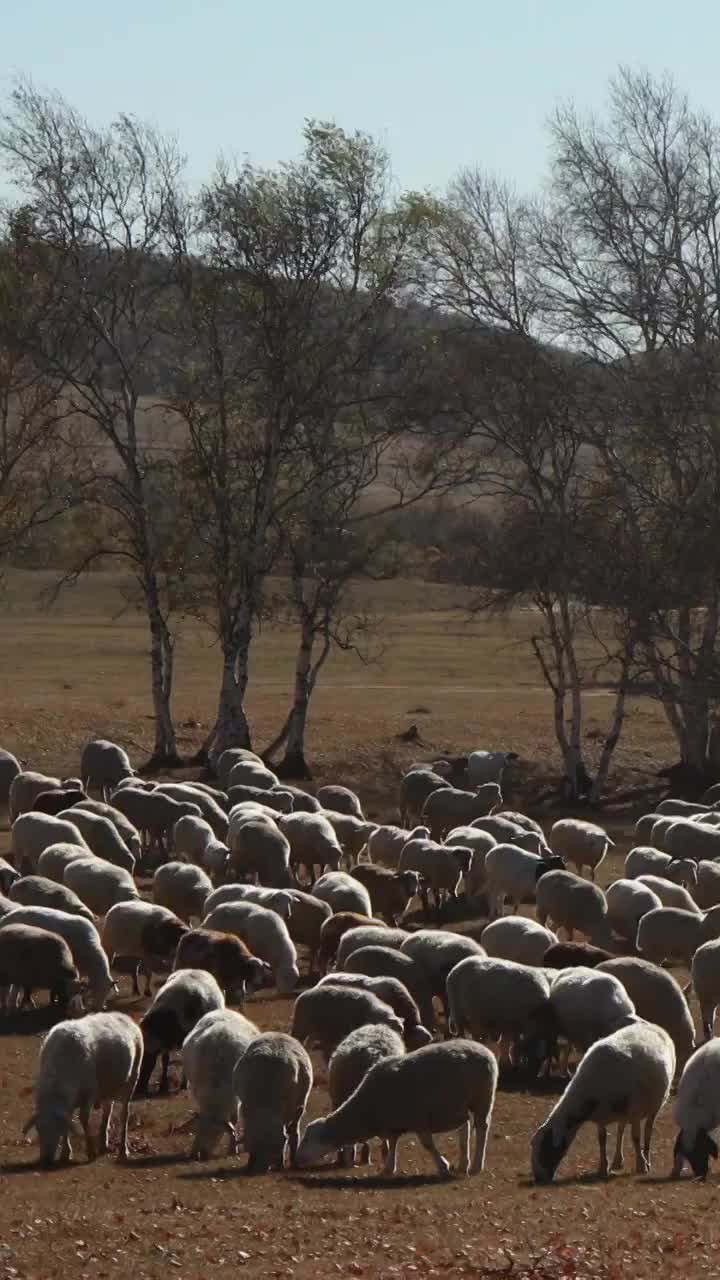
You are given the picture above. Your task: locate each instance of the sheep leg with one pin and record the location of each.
(603, 1169)
(390, 1165)
(482, 1129)
(104, 1128)
(293, 1138)
(647, 1139)
(463, 1166)
(123, 1149)
(618, 1160)
(65, 1150)
(708, 1021)
(364, 1157)
(345, 1158)
(428, 1142)
(85, 1122)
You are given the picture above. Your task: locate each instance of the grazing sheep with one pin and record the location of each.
(103, 765)
(582, 843)
(102, 837)
(437, 1089)
(9, 770)
(707, 892)
(481, 842)
(436, 953)
(86, 1063)
(340, 800)
(385, 962)
(624, 1078)
(272, 1082)
(588, 1005)
(56, 801)
(670, 894)
(575, 955)
(277, 900)
(8, 876)
(497, 999)
(188, 793)
(32, 958)
(503, 830)
(264, 933)
(122, 825)
(210, 1053)
(627, 902)
(391, 892)
(24, 787)
(697, 1111)
(83, 940)
(324, 1015)
(259, 848)
(143, 932)
(705, 974)
(182, 888)
(385, 844)
(644, 860)
(246, 773)
(153, 814)
(349, 1065)
(394, 993)
(36, 891)
(670, 934)
(415, 788)
(313, 842)
(229, 758)
(694, 840)
(307, 917)
(514, 873)
(343, 892)
(6, 906)
(441, 867)
(99, 884)
(32, 833)
(488, 766)
(573, 904)
(681, 807)
(516, 938)
(352, 833)
(657, 998)
(227, 958)
(303, 802)
(177, 1007)
(521, 820)
(447, 807)
(279, 800)
(53, 860)
(334, 930)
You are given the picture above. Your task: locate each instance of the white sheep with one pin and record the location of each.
(343, 892)
(627, 902)
(498, 999)
(441, 866)
(122, 825)
(313, 842)
(264, 933)
(83, 940)
(488, 766)
(644, 860)
(386, 962)
(707, 890)
(103, 765)
(669, 893)
(582, 843)
(277, 900)
(573, 904)
(352, 833)
(8, 875)
(85, 1063)
(340, 800)
(53, 861)
(436, 952)
(657, 998)
(99, 884)
(705, 974)
(369, 935)
(228, 758)
(589, 1005)
(36, 891)
(517, 938)
(144, 932)
(210, 1053)
(696, 840)
(697, 1111)
(350, 1063)
(272, 1081)
(182, 888)
(415, 788)
(325, 1014)
(448, 807)
(25, 788)
(481, 842)
(32, 833)
(624, 1078)
(392, 991)
(512, 872)
(246, 773)
(101, 836)
(670, 933)
(385, 844)
(177, 1007)
(440, 1088)
(190, 793)
(259, 848)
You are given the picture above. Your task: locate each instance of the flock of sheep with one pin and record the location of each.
(246, 873)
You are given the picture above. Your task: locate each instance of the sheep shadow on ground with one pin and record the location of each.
(593, 1179)
(379, 1182)
(30, 1022)
(514, 1080)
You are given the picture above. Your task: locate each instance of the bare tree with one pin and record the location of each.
(102, 204)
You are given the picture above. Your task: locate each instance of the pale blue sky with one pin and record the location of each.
(444, 83)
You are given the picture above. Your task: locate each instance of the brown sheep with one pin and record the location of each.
(226, 957)
(567, 955)
(390, 891)
(333, 929)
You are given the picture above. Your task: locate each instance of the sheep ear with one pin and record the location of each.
(31, 1124)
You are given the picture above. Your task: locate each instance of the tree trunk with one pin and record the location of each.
(611, 740)
(696, 730)
(294, 763)
(232, 728)
(162, 659)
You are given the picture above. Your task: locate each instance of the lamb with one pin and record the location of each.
(385, 962)
(122, 825)
(669, 933)
(246, 773)
(644, 860)
(195, 840)
(53, 861)
(582, 843)
(307, 917)
(258, 847)
(334, 930)
(182, 888)
(670, 895)
(496, 998)
(324, 1015)
(624, 1078)
(697, 1111)
(36, 891)
(627, 902)
(94, 1061)
(385, 844)
(32, 957)
(278, 799)
(707, 892)
(210, 1053)
(9, 770)
(436, 953)
(574, 955)
(394, 993)
(152, 813)
(227, 958)
(574, 904)
(102, 837)
(83, 940)
(694, 840)
(99, 884)
(229, 758)
(434, 1090)
(264, 933)
(705, 975)
(55, 801)
(440, 866)
(313, 842)
(488, 766)
(188, 793)
(103, 765)
(515, 873)
(589, 1005)
(177, 1007)
(340, 800)
(343, 892)
(517, 938)
(352, 833)
(350, 1063)
(8, 876)
(447, 807)
(278, 900)
(32, 833)
(390, 892)
(272, 1082)
(415, 788)
(657, 998)
(24, 787)
(143, 932)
